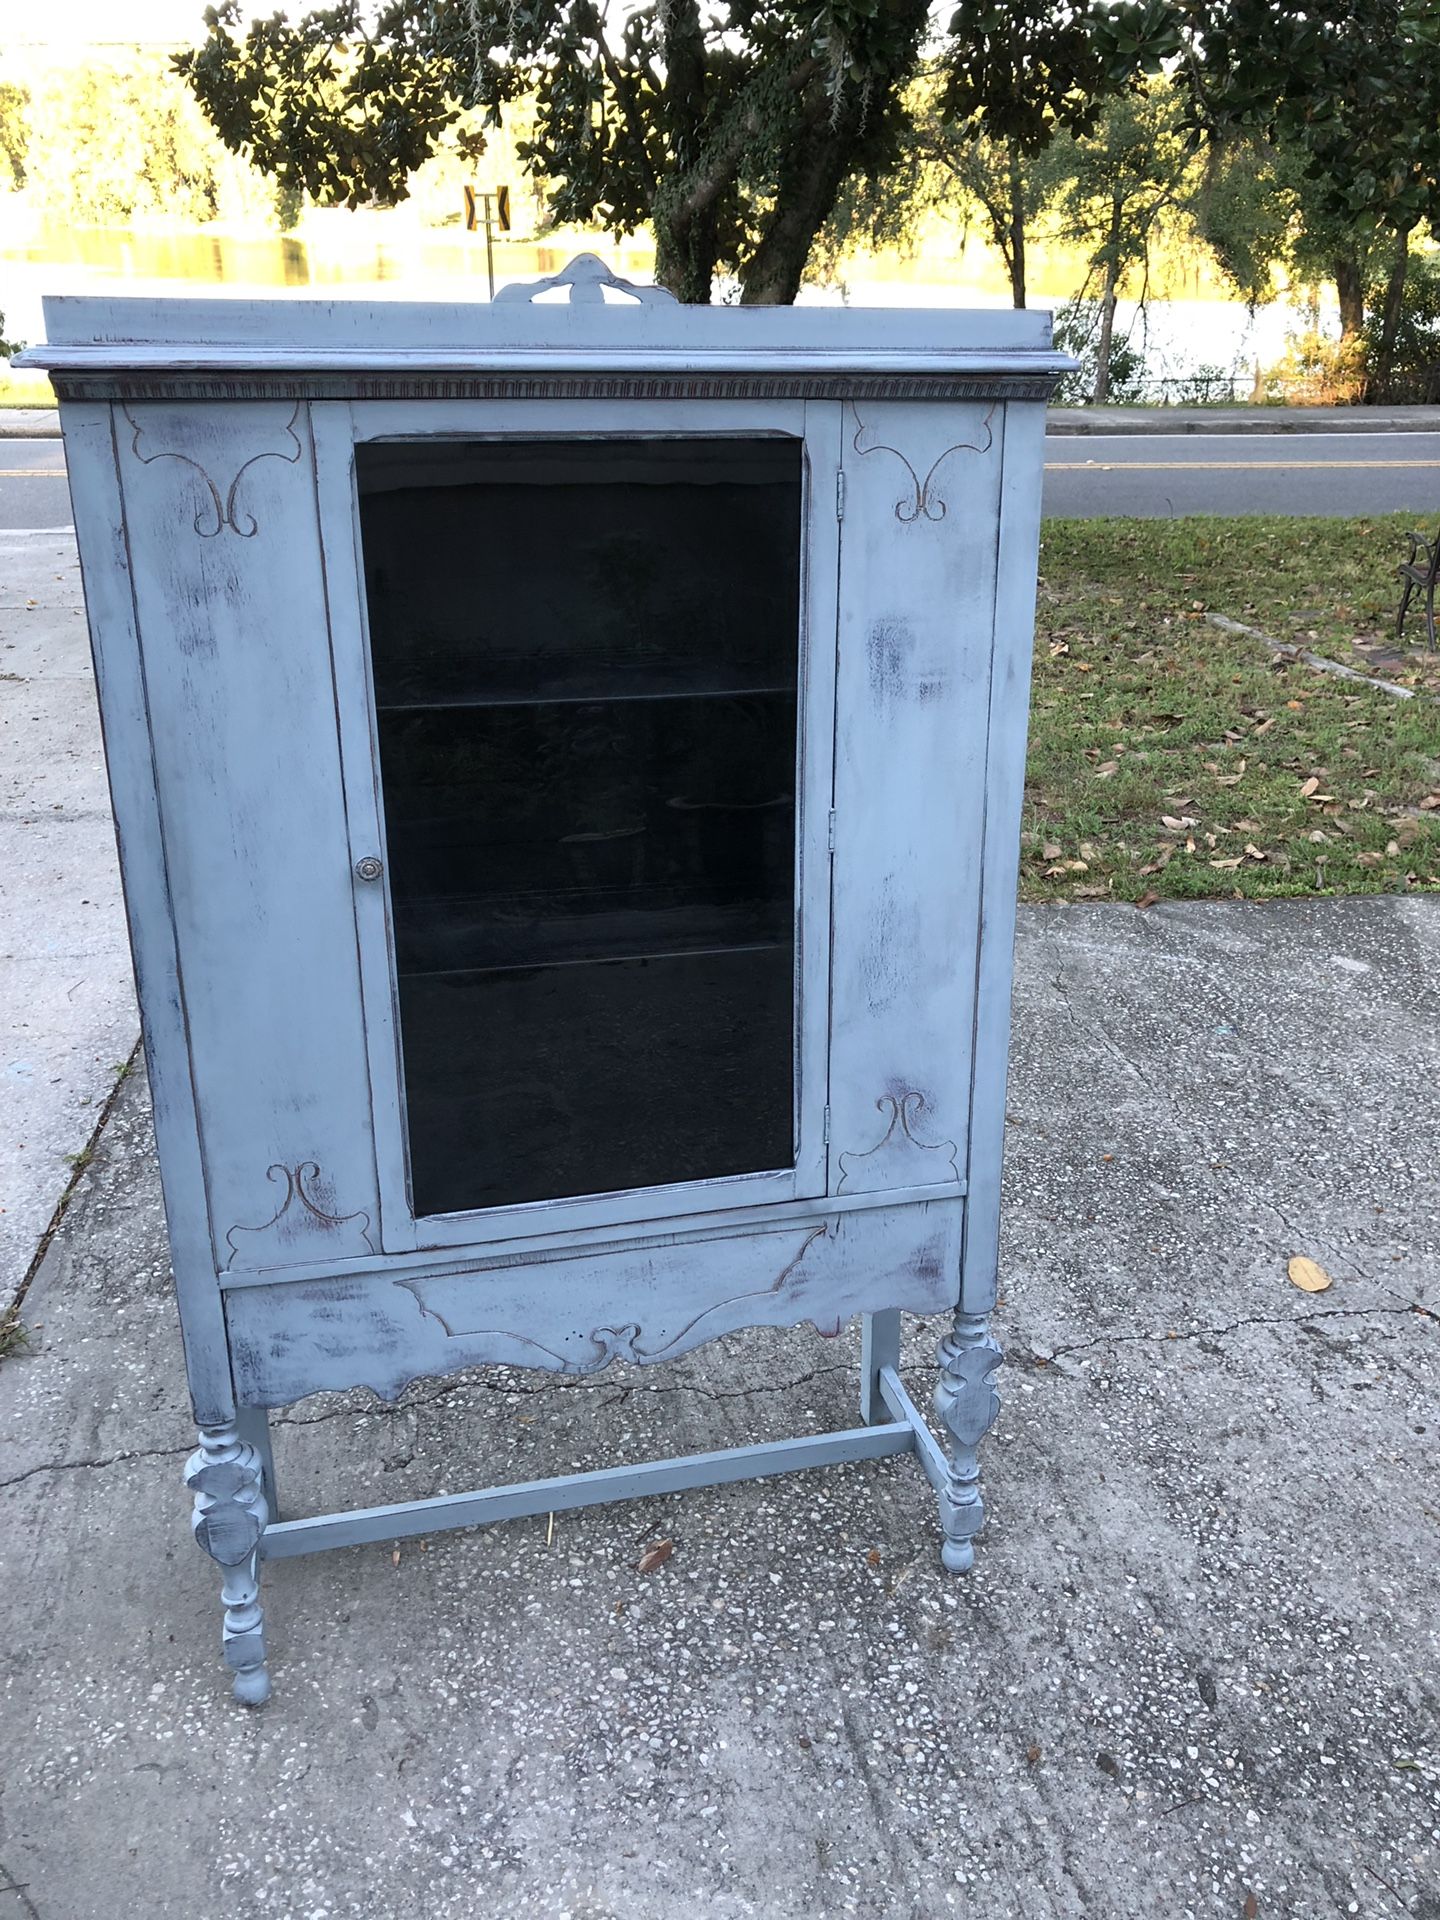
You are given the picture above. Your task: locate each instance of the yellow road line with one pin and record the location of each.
(32, 473)
(1225, 466)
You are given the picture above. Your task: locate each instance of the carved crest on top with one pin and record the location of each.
(586, 279)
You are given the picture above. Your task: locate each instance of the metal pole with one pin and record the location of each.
(489, 244)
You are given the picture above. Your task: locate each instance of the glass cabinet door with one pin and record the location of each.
(585, 663)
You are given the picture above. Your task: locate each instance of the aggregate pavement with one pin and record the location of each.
(1193, 1674)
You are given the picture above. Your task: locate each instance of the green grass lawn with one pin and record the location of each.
(1172, 760)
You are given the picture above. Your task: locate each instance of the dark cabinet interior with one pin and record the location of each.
(585, 658)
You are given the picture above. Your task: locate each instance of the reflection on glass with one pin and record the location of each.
(585, 663)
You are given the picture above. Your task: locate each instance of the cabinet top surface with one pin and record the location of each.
(603, 325)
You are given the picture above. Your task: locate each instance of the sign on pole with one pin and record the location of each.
(494, 210)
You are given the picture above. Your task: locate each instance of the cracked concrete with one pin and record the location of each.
(1195, 1663)
(67, 1008)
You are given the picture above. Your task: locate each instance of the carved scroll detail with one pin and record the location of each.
(223, 508)
(899, 1159)
(224, 1474)
(922, 505)
(624, 1342)
(285, 1229)
(967, 1404)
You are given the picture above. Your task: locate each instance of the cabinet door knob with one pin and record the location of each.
(368, 869)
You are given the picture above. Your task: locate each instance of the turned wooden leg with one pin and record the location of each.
(226, 1476)
(966, 1404)
(252, 1424)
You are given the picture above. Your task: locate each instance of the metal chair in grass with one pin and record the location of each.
(1418, 570)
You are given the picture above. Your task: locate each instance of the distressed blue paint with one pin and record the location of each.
(210, 447)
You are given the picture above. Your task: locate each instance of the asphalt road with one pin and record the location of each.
(1157, 476)
(1161, 476)
(33, 492)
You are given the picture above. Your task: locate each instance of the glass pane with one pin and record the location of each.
(585, 662)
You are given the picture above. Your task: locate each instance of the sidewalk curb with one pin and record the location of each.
(1240, 420)
(43, 423)
(29, 423)
(1304, 654)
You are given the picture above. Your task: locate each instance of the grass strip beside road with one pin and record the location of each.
(1171, 760)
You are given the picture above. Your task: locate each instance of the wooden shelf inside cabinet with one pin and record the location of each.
(596, 695)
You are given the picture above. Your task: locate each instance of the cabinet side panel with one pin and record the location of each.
(229, 590)
(1024, 463)
(109, 603)
(917, 589)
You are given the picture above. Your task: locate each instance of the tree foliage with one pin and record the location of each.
(729, 126)
(1353, 86)
(109, 142)
(1136, 167)
(14, 132)
(733, 127)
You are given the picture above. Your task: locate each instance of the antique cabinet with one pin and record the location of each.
(566, 757)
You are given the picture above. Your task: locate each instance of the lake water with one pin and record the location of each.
(390, 255)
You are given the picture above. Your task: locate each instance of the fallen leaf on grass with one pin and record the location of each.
(1308, 1275)
(1312, 785)
(1228, 864)
(1177, 822)
(1104, 772)
(1148, 898)
(655, 1556)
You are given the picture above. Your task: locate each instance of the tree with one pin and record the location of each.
(1354, 88)
(1122, 178)
(733, 127)
(1012, 188)
(729, 127)
(14, 132)
(944, 168)
(1260, 211)
(109, 141)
